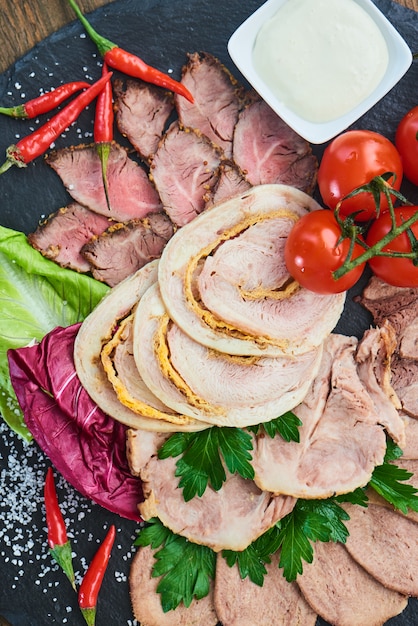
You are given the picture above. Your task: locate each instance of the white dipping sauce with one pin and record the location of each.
(321, 58)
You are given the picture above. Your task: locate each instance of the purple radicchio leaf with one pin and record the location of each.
(86, 446)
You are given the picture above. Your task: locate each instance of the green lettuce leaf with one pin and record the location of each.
(36, 295)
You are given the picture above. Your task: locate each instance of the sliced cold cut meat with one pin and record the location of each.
(97, 329)
(228, 519)
(239, 241)
(131, 193)
(341, 439)
(142, 111)
(184, 169)
(343, 593)
(217, 99)
(62, 236)
(240, 602)
(384, 543)
(219, 388)
(125, 247)
(268, 151)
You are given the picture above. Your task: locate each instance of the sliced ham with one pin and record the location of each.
(212, 386)
(240, 602)
(268, 151)
(341, 439)
(142, 111)
(131, 194)
(217, 99)
(384, 544)
(97, 329)
(146, 603)
(62, 236)
(184, 170)
(343, 593)
(125, 247)
(228, 519)
(224, 282)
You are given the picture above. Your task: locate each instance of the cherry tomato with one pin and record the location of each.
(351, 160)
(313, 252)
(406, 141)
(394, 271)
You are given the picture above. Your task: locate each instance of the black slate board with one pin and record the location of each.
(33, 592)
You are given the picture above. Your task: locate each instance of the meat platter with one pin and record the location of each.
(164, 31)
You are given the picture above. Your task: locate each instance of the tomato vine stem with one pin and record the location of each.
(350, 230)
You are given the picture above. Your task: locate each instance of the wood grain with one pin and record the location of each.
(23, 24)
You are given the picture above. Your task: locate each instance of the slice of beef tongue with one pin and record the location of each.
(384, 543)
(343, 593)
(62, 236)
(125, 247)
(217, 99)
(184, 170)
(142, 111)
(240, 602)
(268, 151)
(131, 193)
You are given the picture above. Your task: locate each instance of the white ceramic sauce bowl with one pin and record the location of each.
(241, 49)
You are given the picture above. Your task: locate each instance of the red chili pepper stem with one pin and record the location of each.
(103, 129)
(59, 545)
(37, 143)
(93, 578)
(44, 103)
(128, 63)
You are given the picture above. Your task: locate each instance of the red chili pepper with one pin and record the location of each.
(38, 142)
(59, 545)
(128, 63)
(103, 128)
(93, 578)
(45, 103)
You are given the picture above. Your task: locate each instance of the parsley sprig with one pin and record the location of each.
(185, 568)
(388, 480)
(205, 454)
(202, 456)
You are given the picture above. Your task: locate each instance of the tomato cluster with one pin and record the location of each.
(321, 241)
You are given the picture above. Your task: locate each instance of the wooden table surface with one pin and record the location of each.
(23, 24)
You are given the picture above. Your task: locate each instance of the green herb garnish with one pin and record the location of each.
(203, 454)
(186, 569)
(287, 426)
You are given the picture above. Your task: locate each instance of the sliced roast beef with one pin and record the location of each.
(146, 601)
(388, 302)
(240, 602)
(131, 193)
(231, 183)
(142, 111)
(267, 150)
(216, 387)
(224, 282)
(217, 99)
(384, 543)
(184, 170)
(229, 519)
(62, 236)
(343, 593)
(126, 247)
(341, 439)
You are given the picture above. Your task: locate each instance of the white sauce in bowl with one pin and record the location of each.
(321, 58)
